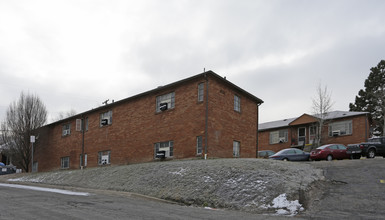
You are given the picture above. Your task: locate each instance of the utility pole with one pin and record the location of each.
(32, 140)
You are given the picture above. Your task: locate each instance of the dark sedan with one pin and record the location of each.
(291, 154)
(329, 152)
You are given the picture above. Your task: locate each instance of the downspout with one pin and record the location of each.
(82, 156)
(366, 127)
(206, 113)
(257, 147)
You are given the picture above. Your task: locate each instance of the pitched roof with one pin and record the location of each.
(286, 122)
(171, 85)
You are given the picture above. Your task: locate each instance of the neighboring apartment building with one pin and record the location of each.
(201, 115)
(340, 127)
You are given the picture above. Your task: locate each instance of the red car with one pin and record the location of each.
(329, 152)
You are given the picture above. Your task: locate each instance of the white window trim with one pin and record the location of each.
(278, 137)
(66, 131)
(201, 89)
(347, 124)
(100, 157)
(165, 99)
(106, 115)
(199, 145)
(236, 149)
(237, 103)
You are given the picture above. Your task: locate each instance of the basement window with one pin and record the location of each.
(104, 157)
(65, 162)
(199, 145)
(236, 148)
(167, 146)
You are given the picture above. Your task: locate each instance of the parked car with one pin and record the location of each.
(265, 153)
(354, 151)
(291, 154)
(329, 152)
(374, 147)
(7, 169)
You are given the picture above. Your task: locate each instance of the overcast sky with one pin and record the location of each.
(76, 54)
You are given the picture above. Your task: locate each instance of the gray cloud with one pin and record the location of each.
(76, 54)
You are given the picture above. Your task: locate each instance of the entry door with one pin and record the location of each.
(301, 135)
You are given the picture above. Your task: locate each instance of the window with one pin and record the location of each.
(313, 134)
(340, 128)
(280, 136)
(65, 162)
(104, 157)
(199, 145)
(200, 92)
(237, 103)
(236, 148)
(165, 102)
(66, 129)
(81, 159)
(167, 146)
(105, 118)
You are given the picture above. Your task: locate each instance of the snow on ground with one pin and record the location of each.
(43, 189)
(252, 185)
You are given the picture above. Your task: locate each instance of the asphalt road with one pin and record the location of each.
(30, 204)
(354, 189)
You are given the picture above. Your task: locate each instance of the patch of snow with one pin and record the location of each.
(180, 172)
(286, 207)
(60, 191)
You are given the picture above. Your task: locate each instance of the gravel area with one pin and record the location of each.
(252, 185)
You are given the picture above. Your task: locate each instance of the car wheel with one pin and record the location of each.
(329, 158)
(285, 159)
(371, 154)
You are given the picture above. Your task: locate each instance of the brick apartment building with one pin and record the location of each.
(201, 115)
(340, 127)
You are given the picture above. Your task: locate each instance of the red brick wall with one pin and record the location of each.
(227, 125)
(136, 127)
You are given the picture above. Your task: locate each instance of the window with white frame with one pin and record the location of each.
(105, 118)
(200, 92)
(341, 128)
(237, 103)
(66, 129)
(65, 162)
(236, 148)
(199, 145)
(104, 157)
(279, 136)
(167, 146)
(313, 134)
(164, 102)
(81, 160)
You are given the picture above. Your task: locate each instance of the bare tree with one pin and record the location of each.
(63, 115)
(23, 117)
(322, 105)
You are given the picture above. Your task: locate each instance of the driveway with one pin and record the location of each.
(353, 189)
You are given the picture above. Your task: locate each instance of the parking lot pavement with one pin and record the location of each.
(353, 189)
